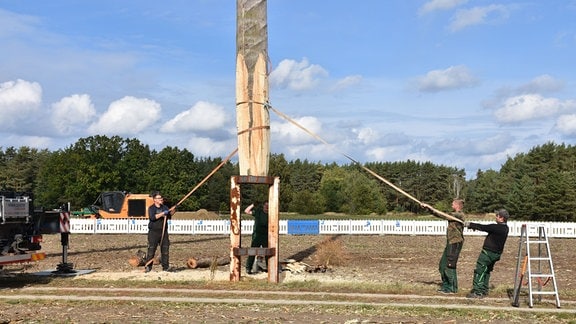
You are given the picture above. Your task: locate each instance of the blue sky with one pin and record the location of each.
(455, 82)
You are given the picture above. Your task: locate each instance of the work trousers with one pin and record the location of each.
(258, 240)
(484, 266)
(155, 239)
(447, 267)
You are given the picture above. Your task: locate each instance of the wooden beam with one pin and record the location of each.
(255, 180)
(235, 229)
(256, 251)
(274, 230)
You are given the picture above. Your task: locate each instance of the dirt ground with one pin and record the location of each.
(372, 258)
(380, 259)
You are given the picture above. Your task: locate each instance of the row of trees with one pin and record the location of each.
(538, 185)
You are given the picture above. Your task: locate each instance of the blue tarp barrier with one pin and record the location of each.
(303, 227)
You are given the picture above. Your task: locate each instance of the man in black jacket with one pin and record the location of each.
(158, 214)
(491, 252)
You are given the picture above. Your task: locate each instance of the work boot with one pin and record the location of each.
(147, 269)
(261, 264)
(474, 295)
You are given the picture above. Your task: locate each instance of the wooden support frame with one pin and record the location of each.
(236, 249)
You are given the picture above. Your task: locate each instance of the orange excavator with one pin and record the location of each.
(118, 204)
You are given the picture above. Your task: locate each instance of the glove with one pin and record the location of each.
(166, 212)
(466, 224)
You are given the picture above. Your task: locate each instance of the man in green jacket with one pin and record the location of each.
(454, 242)
(259, 233)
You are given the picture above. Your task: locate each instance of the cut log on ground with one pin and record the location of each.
(138, 260)
(194, 263)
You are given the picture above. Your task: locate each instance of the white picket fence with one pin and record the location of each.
(310, 227)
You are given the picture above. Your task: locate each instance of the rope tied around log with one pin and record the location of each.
(252, 128)
(266, 106)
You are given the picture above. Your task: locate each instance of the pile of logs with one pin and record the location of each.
(299, 267)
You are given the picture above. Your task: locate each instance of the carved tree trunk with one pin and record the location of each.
(252, 116)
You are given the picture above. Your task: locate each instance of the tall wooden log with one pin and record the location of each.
(253, 123)
(252, 116)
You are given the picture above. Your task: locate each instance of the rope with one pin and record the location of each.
(445, 215)
(265, 104)
(251, 129)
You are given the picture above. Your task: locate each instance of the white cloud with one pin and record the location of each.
(566, 124)
(565, 39)
(389, 153)
(203, 116)
(73, 113)
(347, 82)
(435, 5)
(472, 146)
(478, 15)
(366, 135)
(15, 24)
(531, 106)
(204, 146)
(542, 83)
(291, 134)
(492, 145)
(127, 116)
(297, 75)
(41, 142)
(492, 161)
(18, 100)
(311, 151)
(454, 77)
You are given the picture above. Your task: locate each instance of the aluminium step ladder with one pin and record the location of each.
(534, 268)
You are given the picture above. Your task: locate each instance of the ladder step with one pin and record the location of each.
(541, 275)
(540, 258)
(544, 293)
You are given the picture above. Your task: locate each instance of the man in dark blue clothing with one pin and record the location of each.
(491, 252)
